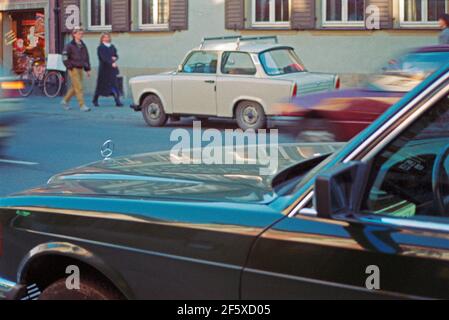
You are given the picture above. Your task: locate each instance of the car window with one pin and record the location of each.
(411, 175)
(201, 62)
(237, 63)
(280, 61)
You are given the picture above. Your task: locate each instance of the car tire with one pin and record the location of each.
(153, 111)
(90, 289)
(250, 115)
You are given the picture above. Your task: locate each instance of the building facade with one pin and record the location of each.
(329, 35)
(28, 30)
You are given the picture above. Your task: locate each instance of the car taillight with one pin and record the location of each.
(295, 90)
(337, 83)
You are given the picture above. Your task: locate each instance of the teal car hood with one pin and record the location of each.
(154, 175)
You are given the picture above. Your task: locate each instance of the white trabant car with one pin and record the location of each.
(230, 77)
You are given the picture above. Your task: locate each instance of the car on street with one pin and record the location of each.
(229, 77)
(341, 115)
(366, 219)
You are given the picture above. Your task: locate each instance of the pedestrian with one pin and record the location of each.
(107, 83)
(76, 59)
(444, 24)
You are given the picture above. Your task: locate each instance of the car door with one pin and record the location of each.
(237, 81)
(194, 87)
(240, 81)
(395, 244)
(308, 258)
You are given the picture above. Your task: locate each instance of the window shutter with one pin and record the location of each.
(179, 15)
(235, 14)
(121, 15)
(386, 12)
(303, 14)
(64, 16)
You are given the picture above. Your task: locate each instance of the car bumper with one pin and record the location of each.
(10, 290)
(135, 107)
(283, 121)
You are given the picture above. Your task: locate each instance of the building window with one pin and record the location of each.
(271, 12)
(421, 12)
(100, 14)
(344, 13)
(153, 14)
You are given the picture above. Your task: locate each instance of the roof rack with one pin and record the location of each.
(238, 39)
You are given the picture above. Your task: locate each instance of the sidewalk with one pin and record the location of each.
(41, 105)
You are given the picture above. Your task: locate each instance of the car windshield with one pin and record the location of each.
(406, 72)
(281, 61)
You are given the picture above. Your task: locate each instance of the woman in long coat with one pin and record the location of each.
(107, 83)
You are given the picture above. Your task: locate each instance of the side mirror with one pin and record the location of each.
(340, 189)
(179, 69)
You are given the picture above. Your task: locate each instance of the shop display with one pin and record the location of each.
(29, 42)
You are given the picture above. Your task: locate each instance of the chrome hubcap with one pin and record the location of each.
(250, 115)
(154, 111)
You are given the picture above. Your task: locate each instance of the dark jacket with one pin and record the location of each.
(107, 75)
(76, 56)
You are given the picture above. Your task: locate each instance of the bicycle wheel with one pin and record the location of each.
(28, 81)
(53, 84)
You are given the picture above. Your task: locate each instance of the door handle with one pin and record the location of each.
(210, 81)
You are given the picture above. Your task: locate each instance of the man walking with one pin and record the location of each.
(76, 59)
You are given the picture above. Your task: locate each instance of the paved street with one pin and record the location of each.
(50, 139)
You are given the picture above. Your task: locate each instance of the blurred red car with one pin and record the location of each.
(340, 115)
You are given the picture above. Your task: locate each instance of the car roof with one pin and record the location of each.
(244, 47)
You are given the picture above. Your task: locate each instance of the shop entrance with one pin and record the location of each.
(28, 40)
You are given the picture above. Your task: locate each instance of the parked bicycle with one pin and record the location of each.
(49, 77)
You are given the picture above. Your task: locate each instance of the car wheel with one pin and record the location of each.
(90, 289)
(153, 111)
(250, 115)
